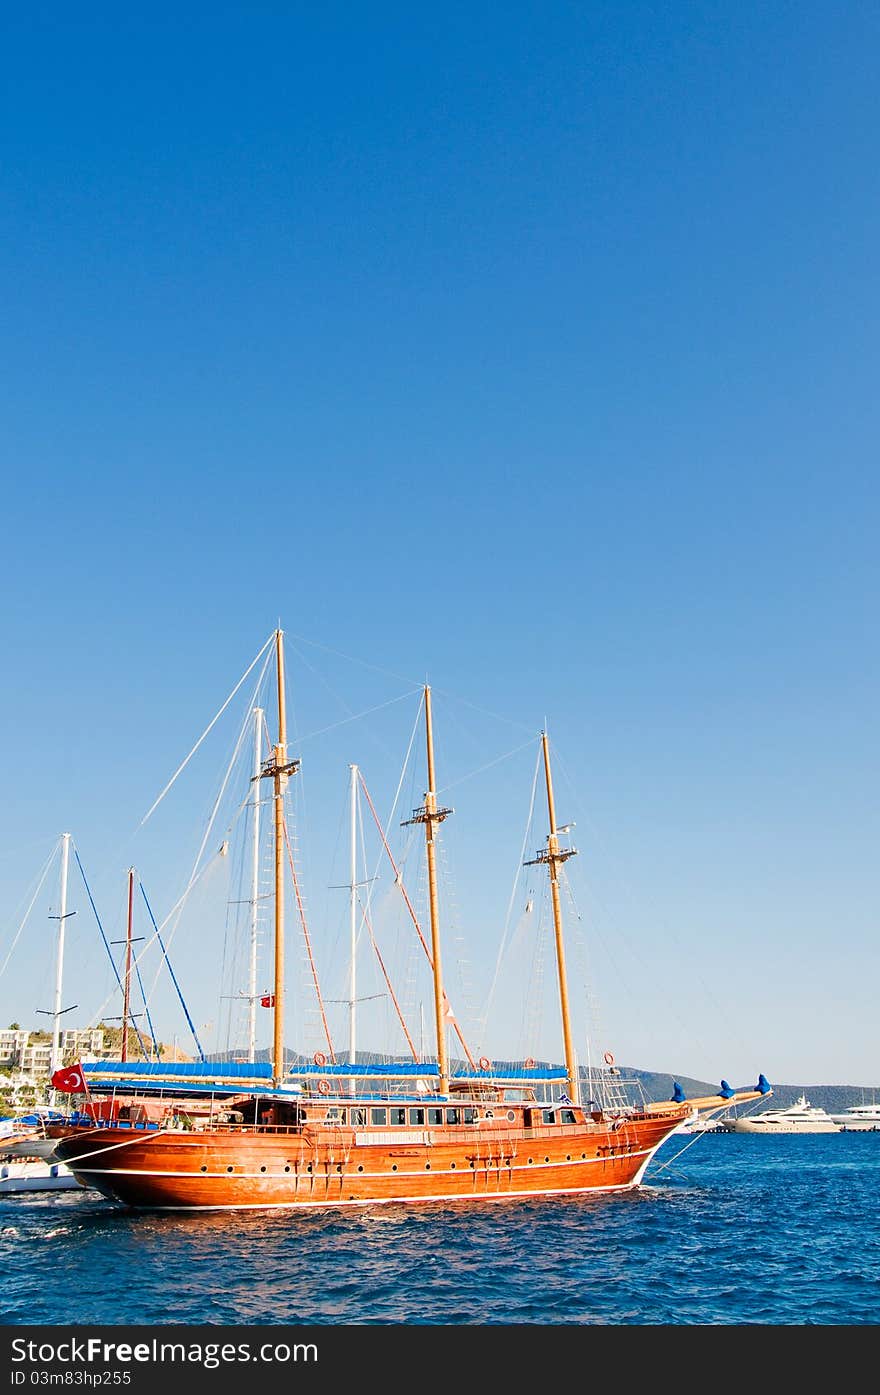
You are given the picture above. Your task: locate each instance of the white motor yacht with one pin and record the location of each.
(800, 1117)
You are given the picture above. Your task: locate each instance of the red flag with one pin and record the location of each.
(267, 1000)
(71, 1081)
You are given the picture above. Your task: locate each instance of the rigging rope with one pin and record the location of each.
(171, 972)
(241, 735)
(397, 1008)
(43, 875)
(212, 722)
(447, 1006)
(153, 1042)
(488, 766)
(504, 939)
(109, 952)
(302, 916)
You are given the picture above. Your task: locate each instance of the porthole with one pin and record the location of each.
(360, 1167)
(394, 1167)
(511, 1116)
(263, 1168)
(203, 1168)
(452, 1165)
(339, 1167)
(568, 1157)
(308, 1167)
(427, 1167)
(230, 1168)
(287, 1167)
(546, 1159)
(531, 1160)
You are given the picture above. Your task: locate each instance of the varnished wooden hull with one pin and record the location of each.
(241, 1168)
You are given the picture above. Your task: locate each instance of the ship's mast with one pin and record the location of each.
(278, 768)
(59, 959)
(255, 887)
(352, 914)
(554, 856)
(430, 815)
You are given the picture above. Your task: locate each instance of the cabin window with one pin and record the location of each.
(359, 1118)
(397, 1116)
(469, 1115)
(549, 1116)
(435, 1116)
(417, 1117)
(566, 1116)
(335, 1115)
(453, 1116)
(378, 1116)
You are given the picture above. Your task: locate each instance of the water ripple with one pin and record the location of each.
(742, 1230)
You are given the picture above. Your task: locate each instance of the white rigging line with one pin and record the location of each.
(43, 875)
(350, 658)
(356, 716)
(196, 875)
(502, 947)
(214, 719)
(245, 727)
(403, 770)
(484, 711)
(96, 1017)
(488, 766)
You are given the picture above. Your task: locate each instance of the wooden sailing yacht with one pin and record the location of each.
(329, 1134)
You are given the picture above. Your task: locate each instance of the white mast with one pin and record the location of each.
(59, 960)
(255, 885)
(352, 1018)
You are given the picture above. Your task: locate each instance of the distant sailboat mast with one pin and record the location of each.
(58, 1011)
(126, 987)
(59, 958)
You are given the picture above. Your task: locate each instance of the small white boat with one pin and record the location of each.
(859, 1118)
(35, 1175)
(800, 1117)
(702, 1123)
(24, 1135)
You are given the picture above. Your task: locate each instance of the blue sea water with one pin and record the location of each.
(727, 1230)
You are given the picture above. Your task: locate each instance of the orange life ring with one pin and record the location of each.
(323, 1087)
(485, 1063)
(609, 1058)
(319, 1058)
(530, 1063)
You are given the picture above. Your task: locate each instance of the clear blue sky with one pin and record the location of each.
(527, 349)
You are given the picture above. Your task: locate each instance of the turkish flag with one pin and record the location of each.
(267, 1000)
(71, 1081)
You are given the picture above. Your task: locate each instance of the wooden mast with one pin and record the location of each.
(553, 856)
(126, 987)
(430, 815)
(278, 768)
